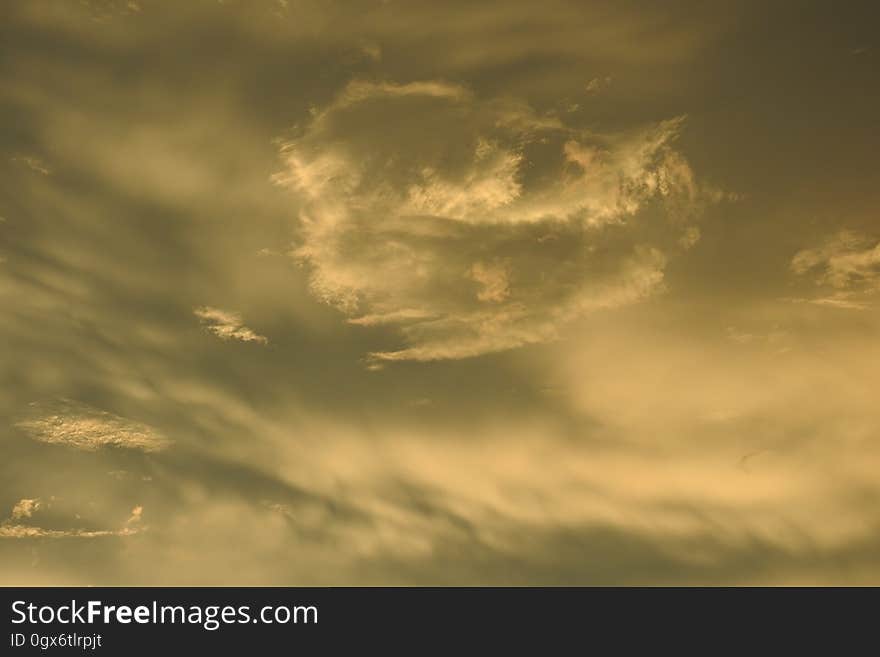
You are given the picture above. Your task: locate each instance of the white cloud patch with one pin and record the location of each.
(227, 325)
(72, 424)
(479, 225)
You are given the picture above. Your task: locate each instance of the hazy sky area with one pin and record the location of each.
(459, 292)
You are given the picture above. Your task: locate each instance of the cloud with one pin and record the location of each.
(479, 225)
(136, 515)
(847, 265)
(25, 508)
(28, 531)
(33, 163)
(445, 218)
(595, 85)
(228, 326)
(841, 300)
(493, 280)
(73, 424)
(846, 260)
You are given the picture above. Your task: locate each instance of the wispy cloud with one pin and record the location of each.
(227, 325)
(846, 260)
(77, 425)
(136, 515)
(455, 179)
(848, 263)
(28, 531)
(595, 85)
(33, 163)
(25, 508)
(448, 236)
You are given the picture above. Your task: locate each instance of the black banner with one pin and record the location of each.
(116, 621)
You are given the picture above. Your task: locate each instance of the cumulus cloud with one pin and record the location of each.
(73, 424)
(478, 225)
(227, 325)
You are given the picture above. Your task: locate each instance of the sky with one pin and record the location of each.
(422, 293)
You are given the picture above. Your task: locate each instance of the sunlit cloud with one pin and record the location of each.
(73, 424)
(13, 528)
(28, 531)
(135, 517)
(227, 325)
(33, 163)
(263, 264)
(846, 260)
(450, 236)
(25, 508)
(847, 266)
(595, 85)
